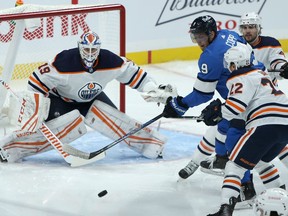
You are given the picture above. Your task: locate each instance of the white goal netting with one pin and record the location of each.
(33, 34)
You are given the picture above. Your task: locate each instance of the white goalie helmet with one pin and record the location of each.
(251, 18)
(240, 55)
(89, 48)
(273, 201)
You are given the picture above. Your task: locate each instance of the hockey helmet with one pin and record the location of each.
(89, 48)
(203, 24)
(273, 201)
(251, 18)
(240, 55)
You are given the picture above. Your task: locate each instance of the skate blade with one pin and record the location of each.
(244, 205)
(217, 172)
(179, 180)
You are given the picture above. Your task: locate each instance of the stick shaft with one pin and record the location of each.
(135, 130)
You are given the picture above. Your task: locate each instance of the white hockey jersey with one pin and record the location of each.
(269, 51)
(66, 76)
(253, 97)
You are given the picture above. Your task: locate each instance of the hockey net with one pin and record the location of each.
(33, 34)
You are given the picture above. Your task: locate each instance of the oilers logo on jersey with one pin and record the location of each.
(89, 91)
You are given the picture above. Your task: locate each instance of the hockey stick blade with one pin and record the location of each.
(135, 130)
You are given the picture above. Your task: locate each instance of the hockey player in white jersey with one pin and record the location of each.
(268, 51)
(74, 82)
(263, 106)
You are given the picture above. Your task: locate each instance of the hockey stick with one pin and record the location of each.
(275, 70)
(56, 143)
(198, 118)
(101, 151)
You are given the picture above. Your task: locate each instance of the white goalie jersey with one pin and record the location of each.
(67, 78)
(253, 96)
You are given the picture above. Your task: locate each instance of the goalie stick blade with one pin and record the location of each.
(76, 152)
(82, 158)
(77, 161)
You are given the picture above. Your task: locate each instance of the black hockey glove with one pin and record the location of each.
(212, 113)
(284, 73)
(174, 107)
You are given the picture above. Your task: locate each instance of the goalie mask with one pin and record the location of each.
(251, 19)
(240, 55)
(89, 48)
(273, 201)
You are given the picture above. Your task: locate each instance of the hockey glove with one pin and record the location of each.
(212, 113)
(284, 73)
(160, 94)
(174, 107)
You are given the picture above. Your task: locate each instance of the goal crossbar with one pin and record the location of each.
(50, 11)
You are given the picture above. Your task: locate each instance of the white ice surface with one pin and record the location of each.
(44, 185)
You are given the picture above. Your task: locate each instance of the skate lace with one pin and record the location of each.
(210, 161)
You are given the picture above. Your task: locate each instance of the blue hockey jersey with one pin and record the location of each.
(212, 75)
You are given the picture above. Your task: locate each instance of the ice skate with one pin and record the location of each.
(188, 170)
(3, 155)
(246, 197)
(226, 209)
(214, 165)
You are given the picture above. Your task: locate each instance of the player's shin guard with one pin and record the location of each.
(269, 174)
(283, 156)
(67, 128)
(232, 181)
(115, 124)
(204, 149)
(221, 133)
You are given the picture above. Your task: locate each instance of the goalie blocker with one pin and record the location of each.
(115, 124)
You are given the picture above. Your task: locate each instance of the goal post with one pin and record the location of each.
(33, 34)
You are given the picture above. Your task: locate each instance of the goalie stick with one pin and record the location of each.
(90, 155)
(73, 160)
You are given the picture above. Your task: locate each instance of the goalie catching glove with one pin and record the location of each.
(160, 94)
(212, 113)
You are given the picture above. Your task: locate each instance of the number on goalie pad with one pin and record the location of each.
(115, 124)
(28, 114)
(21, 144)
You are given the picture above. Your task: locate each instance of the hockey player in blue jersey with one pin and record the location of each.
(212, 76)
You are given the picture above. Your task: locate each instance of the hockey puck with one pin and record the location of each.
(102, 193)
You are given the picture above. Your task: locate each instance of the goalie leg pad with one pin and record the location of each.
(114, 124)
(21, 144)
